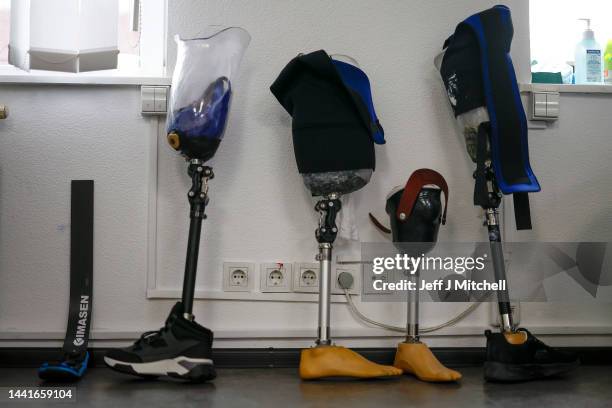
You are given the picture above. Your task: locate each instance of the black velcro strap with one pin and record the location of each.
(522, 212)
(481, 193)
(81, 266)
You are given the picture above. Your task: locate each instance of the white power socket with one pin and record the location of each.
(306, 277)
(238, 276)
(354, 271)
(369, 278)
(275, 277)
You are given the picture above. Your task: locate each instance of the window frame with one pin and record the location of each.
(153, 50)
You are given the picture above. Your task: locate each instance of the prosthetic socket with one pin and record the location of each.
(201, 91)
(479, 77)
(415, 213)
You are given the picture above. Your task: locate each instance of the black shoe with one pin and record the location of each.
(181, 349)
(526, 359)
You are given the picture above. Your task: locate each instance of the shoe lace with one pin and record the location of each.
(151, 336)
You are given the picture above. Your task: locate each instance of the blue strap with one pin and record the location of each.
(357, 81)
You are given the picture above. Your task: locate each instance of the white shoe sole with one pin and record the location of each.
(182, 367)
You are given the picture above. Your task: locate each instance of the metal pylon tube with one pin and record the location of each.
(499, 268)
(412, 305)
(325, 262)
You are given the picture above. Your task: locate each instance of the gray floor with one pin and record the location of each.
(588, 387)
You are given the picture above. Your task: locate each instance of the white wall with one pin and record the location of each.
(259, 209)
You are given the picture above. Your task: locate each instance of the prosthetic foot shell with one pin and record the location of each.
(339, 362)
(417, 359)
(522, 357)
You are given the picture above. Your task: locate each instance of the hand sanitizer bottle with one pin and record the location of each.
(608, 64)
(589, 58)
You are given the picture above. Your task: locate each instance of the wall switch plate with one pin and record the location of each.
(545, 106)
(238, 276)
(306, 278)
(276, 277)
(154, 99)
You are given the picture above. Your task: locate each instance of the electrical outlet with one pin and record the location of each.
(238, 276)
(306, 278)
(496, 318)
(370, 277)
(276, 277)
(354, 271)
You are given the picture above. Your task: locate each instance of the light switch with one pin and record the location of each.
(161, 98)
(147, 97)
(154, 100)
(539, 105)
(552, 105)
(545, 106)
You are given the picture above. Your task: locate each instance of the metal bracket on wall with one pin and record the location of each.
(3, 111)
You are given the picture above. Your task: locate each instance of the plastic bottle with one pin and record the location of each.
(608, 64)
(589, 58)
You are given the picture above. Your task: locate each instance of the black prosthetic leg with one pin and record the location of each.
(513, 354)
(198, 199)
(415, 213)
(182, 348)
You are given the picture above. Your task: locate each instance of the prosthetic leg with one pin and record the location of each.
(334, 131)
(200, 102)
(198, 199)
(480, 81)
(514, 354)
(415, 213)
(326, 360)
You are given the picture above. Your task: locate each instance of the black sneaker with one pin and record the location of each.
(181, 349)
(524, 358)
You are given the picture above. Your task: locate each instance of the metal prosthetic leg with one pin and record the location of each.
(198, 199)
(412, 315)
(326, 360)
(497, 253)
(499, 267)
(328, 209)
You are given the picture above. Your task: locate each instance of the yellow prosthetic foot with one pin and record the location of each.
(417, 359)
(332, 361)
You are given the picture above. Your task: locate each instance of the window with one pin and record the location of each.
(556, 30)
(5, 27)
(140, 35)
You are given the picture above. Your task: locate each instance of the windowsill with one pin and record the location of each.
(12, 75)
(567, 88)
